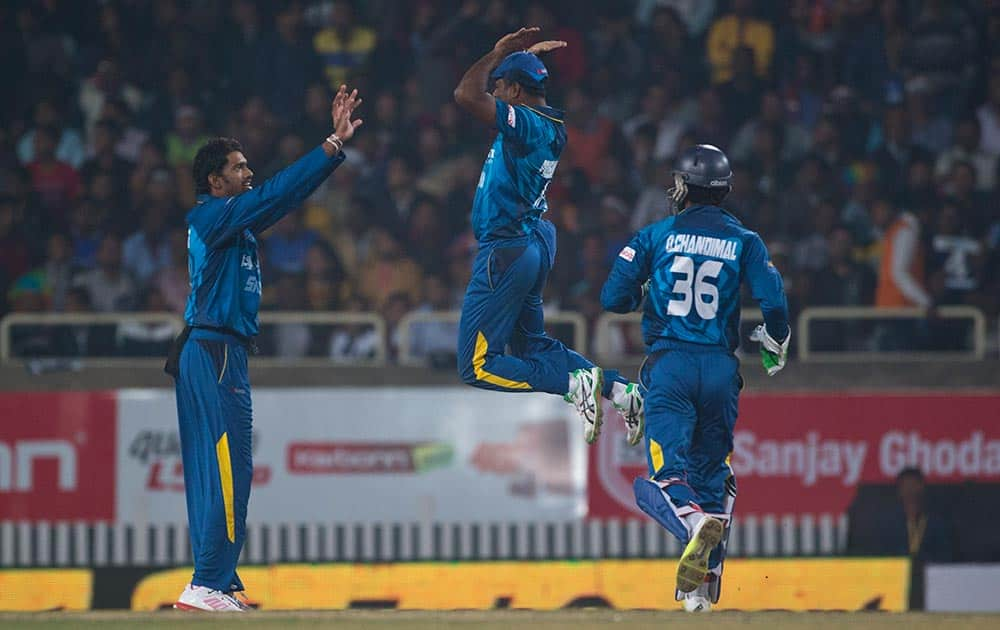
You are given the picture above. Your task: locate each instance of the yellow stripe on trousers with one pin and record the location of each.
(479, 359)
(226, 477)
(656, 455)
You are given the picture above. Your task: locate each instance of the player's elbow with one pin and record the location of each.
(462, 97)
(612, 302)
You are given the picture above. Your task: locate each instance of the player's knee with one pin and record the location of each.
(468, 377)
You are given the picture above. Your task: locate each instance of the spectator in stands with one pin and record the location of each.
(739, 29)
(147, 250)
(109, 285)
(56, 183)
(968, 147)
(940, 46)
(897, 150)
(741, 95)
(131, 136)
(69, 144)
(910, 527)
(590, 136)
(862, 60)
(811, 252)
(989, 115)
(354, 342)
(795, 138)
(186, 137)
(344, 46)
(324, 278)
(245, 37)
(434, 341)
(289, 340)
(396, 198)
(666, 45)
(843, 281)
(955, 257)
(172, 281)
(288, 242)
(15, 257)
(57, 270)
(427, 236)
(146, 339)
(102, 157)
(106, 84)
(388, 271)
(931, 130)
(960, 189)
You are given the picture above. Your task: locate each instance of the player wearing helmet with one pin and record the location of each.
(685, 273)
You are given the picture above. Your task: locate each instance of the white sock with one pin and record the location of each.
(618, 393)
(693, 519)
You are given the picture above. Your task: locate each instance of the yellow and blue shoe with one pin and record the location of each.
(693, 565)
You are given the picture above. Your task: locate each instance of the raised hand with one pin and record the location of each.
(341, 110)
(519, 40)
(546, 46)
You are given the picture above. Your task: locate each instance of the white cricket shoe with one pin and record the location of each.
(207, 599)
(698, 600)
(586, 397)
(693, 564)
(630, 406)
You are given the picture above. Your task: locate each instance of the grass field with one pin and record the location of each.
(561, 620)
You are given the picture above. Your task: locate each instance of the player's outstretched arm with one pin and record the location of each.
(263, 206)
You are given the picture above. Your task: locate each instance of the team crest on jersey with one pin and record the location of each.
(627, 253)
(511, 116)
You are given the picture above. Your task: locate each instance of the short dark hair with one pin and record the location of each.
(910, 472)
(210, 160)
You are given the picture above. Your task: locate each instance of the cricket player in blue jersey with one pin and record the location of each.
(209, 360)
(685, 273)
(503, 302)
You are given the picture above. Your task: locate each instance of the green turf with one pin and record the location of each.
(560, 620)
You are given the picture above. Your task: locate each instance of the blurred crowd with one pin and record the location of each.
(864, 137)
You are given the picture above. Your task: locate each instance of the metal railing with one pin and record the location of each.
(842, 314)
(406, 335)
(51, 320)
(605, 347)
(839, 322)
(327, 318)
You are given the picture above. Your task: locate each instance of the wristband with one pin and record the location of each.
(337, 143)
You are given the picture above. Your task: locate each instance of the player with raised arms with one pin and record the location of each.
(517, 247)
(209, 359)
(685, 273)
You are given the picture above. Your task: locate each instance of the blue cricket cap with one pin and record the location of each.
(524, 68)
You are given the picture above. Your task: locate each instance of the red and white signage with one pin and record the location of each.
(57, 456)
(416, 454)
(462, 455)
(807, 453)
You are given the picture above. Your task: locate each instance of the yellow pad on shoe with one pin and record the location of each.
(693, 565)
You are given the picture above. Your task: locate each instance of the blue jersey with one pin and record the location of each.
(695, 262)
(511, 192)
(222, 243)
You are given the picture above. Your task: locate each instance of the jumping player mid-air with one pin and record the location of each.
(503, 302)
(685, 272)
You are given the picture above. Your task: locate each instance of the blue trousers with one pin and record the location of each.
(503, 307)
(691, 407)
(214, 417)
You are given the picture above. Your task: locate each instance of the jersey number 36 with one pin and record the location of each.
(693, 287)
